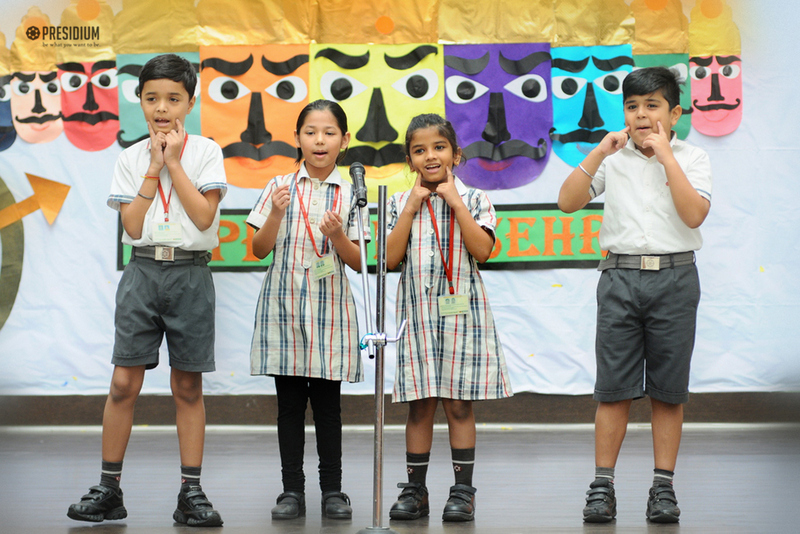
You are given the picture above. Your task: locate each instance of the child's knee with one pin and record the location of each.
(458, 410)
(187, 387)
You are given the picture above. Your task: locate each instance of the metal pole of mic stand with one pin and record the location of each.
(380, 340)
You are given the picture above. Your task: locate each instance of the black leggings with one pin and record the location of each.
(293, 395)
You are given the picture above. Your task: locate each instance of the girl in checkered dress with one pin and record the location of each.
(306, 334)
(440, 230)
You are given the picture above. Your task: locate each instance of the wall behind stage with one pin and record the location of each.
(58, 334)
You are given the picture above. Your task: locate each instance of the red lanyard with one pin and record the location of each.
(336, 201)
(448, 269)
(165, 200)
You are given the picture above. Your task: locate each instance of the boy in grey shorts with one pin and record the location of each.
(658, 192)
(167, 189)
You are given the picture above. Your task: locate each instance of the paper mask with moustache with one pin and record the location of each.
(7, 132)
(252, 96)
(36, 106)
(89, 103)
(498, 100)
(380, 88)
(132, 126)
(716, 94)
(587, 97)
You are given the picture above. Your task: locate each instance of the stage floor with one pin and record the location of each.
(530, 478)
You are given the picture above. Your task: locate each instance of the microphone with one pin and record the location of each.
(360, 189)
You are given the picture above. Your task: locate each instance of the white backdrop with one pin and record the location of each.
(58, 338)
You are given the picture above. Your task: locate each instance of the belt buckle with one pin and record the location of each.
(650, 263)
(165, 253)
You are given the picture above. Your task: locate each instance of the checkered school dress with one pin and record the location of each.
(454, 357)
(306, 327)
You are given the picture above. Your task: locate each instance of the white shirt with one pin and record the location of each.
(203, 163)
(640, 215)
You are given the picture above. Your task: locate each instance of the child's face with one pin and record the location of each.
(431, 154)
(164, 101)
(320, 139)
(644, 112)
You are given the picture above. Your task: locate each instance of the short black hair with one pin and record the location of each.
(172, 67)
(431, 120)
(651, 79)
(323, 105)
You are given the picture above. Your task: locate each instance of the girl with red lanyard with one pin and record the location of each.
(306, 333)
(440, 230)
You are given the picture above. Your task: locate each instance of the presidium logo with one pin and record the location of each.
(58, 35)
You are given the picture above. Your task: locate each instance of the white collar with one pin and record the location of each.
(334, 177)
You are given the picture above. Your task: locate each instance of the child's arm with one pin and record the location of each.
(478, 240)
(200, 207)
(691, 207)
(397, 240)
(349, 251)
(132, 215)
(265, 237)
(574, 193)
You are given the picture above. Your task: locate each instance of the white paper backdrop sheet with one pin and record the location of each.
(59, 336)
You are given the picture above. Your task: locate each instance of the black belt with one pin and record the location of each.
(655, 262)
(177, 253)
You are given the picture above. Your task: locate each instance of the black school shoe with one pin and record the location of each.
(102, 502)
(290, 505)
(412, 503)
(460, 505)
(194, 509)
(601, 503)
(336, 505)
(662, 505)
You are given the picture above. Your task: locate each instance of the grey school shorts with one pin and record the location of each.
(173, 298)
(645, 333)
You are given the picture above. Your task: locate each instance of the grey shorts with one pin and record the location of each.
(173, 298)
(645, 333)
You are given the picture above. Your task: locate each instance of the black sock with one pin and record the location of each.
(463, 465)
(660, 476)
(604, 473)
(110, 473)
(190, 476)
(417, 466)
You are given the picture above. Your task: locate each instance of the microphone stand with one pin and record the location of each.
(376, 342)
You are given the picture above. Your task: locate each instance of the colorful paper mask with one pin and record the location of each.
(716, 69)
(680, 64)
(89, 103)
(380, 88)
(36, 106)
(587, 97)
(498, 100)
(132, 126)
(7, 132)
(252, 96)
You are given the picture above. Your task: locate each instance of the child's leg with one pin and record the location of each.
(325, 398)
(412, 503)
(460, 423)
(610, 425)
(190, 417)
(667, 422)
(126, 383)
(419, 425)
(460, 504)
(292, 393)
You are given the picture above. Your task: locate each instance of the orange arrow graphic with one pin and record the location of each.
(48, 196)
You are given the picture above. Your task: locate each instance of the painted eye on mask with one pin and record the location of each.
(73, 81)
(612, 82)
(5, 92)
(290, 89)
(105, 80)
(567, 86)
(461, 90)
(129, 91)
(530, 87)
(224, 90)
(730, 71)
(337, 86)
(20, 88)
(682, 70)
(53, 88)
(699, 73)
(420, 85)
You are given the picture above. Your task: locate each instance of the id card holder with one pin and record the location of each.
(323, 267)
(165, 253)
(453, 305)
(167, 232)
(651, 263)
